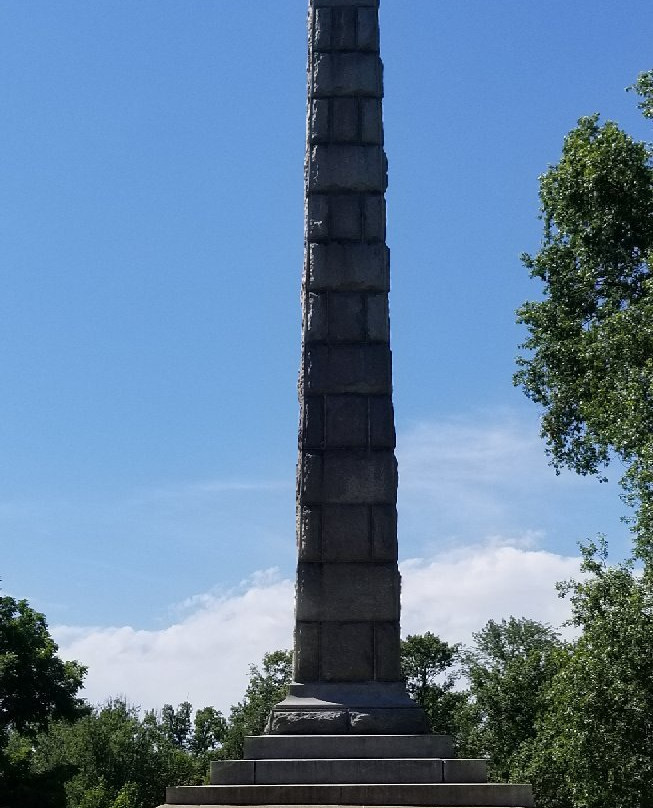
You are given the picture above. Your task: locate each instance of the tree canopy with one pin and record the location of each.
(429, 666)
(36, 685)
(588, 358)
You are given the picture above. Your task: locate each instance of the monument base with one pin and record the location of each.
(365, 708)
(365, 770)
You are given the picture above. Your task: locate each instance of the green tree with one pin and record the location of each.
(266, 688)
(428, 664)
(510, 669)
(594, 743)
(36, 687)
(115, 757)
(589, 354)
(177, 723)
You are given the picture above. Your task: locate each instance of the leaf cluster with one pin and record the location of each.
(588, 358)
(430, 668)
(594, 740)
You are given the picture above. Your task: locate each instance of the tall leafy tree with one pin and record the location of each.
(267, 686)
(510, 669)
(114, 757)
(588, 358)
(594, 740)
(429, 666)
(36, 687)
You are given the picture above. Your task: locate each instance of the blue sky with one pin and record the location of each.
(151, 232)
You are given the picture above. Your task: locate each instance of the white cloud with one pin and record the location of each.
(204, 656)
(493, 528)
(464, 479)
(457, 593)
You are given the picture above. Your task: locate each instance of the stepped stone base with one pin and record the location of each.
(489, 795)
(361, 709)
(361, 770)
(288, 747)
(321, 771)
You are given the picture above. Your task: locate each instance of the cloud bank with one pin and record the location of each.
(203, 656)
(485, 522)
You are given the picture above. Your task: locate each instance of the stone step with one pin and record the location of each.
(359, 770)
(292, 747)
(453, 795)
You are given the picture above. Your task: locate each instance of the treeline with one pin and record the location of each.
(572, 717)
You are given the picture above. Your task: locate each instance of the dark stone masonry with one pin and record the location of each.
(347, 669)
(347, 733)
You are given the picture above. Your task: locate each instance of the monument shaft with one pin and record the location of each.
(347, 607)
(347, 581)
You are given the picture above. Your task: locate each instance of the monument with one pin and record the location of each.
(348, 733)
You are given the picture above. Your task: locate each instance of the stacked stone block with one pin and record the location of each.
(347, 582)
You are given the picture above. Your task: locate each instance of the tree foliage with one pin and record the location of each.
(116, 758)
(588, 358)
(594, 740)
(509, 668)
(35, 684)
(428, 664)
(36, 687)
(265, 688)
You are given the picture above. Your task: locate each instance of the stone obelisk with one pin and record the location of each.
(347, 662)
(348, 734)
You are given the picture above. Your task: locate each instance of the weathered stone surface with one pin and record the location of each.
(318, 217)
(328, 3)
(345, 217)
(347, 592)
(343, 167)
(492, 795)
(317, 722)
(384, 532)
(367, 29)
(313, 425)
(348, 266)
(349, 476)
(346, 533)
(347, 653)
(347, 421)
(387, 652)
(278, 772)
(322, 29)
(371, 121)
(349, 695)
(307, 655)
(317, 323)
(362, 368)
(344, 28)
(348, 746)
(355, 476)
(347, 74)
(345, 120)
(378, 320)
(370, 721)
(374, 218)
(381, 422)
(233, 772)
(310, 533)
(319, 121)
(309, 593)
(464, 771)
(347, 318)
(311, 478)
